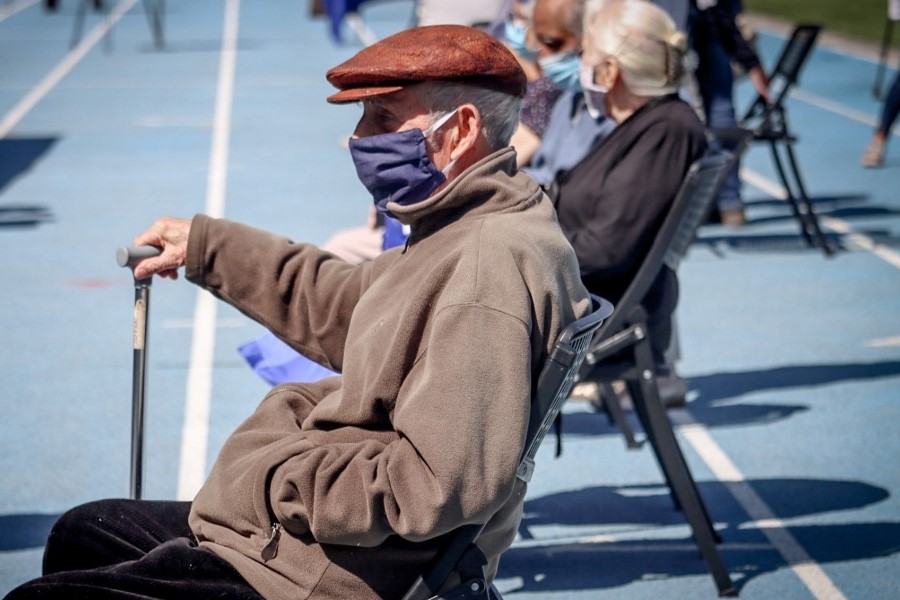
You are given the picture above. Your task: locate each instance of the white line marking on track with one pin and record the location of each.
(838, 109)
(189, 323)
(10, 8)
(809, 572)
(195, 431)
(776, 190)
(62, 68)
(884, 342)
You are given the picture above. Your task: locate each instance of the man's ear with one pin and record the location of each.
(467, 132)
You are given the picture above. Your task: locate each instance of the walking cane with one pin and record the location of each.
(129, 257)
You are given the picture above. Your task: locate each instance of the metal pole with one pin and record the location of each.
(129, 257)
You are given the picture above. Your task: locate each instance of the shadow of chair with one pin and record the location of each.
(769, 124)
(559, 372)
(621, 351)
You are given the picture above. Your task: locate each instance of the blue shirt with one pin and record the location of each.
(570, 133)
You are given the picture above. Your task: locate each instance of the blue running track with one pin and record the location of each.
(793, 359)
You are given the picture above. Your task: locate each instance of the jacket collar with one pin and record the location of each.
(491, 185)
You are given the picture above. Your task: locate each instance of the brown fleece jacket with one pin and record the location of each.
(344, 488)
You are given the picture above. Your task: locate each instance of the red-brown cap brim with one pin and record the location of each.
(361, 93)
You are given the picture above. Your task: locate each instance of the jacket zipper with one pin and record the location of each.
(271, 548)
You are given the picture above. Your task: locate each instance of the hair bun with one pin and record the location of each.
(678, 40)
(676, 64)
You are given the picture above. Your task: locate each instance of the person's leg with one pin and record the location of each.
(873, 155)
(716, 81)
(173, 570)
(660, 304)
(108, 532)
(131, 549)
(891, 108)
(356, 245)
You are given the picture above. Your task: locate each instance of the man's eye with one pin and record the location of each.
(384, 119)
(551, 43)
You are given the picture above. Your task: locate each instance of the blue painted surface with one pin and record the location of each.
(776, 340)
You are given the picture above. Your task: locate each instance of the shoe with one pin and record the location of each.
(733, 217)
(672, 390)
(585, 390)
(873, 156)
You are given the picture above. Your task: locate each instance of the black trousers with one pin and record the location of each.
(131, 549)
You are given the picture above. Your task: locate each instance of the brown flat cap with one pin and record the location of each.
(434, 52)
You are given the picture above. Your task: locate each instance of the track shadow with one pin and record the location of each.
(21, 532)
(589, 563)
(604, 565)
(24, 216)
(786, 242)
(765, 242)
(773, 210)
(719, 386)
(707, 390)
(18, 155)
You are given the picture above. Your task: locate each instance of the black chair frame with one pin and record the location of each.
(552, 389)
(625, 333)
(769, 124)
(154, 9)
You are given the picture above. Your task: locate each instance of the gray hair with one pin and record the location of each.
(499, 111)
(651, 52)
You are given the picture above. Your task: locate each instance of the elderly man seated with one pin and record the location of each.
(346, 487)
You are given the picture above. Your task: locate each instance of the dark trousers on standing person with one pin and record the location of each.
(131, 549)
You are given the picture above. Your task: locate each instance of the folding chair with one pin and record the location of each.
(768, 122)
(154, 9)
(621, 352)
(554, 382)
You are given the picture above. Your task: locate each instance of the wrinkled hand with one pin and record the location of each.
(760, 82)
(171, 235)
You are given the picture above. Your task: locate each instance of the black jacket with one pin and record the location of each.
(613, 202)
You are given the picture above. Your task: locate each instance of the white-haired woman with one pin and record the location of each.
(613, 202)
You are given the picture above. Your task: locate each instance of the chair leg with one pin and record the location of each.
(674, 466)
(613, 409)
(792, 200)
(78, 26)
(809, 213)
(800, 205)
(154, 9)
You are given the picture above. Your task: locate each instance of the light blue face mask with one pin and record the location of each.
(562, 69)
(516, 36)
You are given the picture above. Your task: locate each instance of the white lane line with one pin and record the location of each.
(195, 431)
(189, 323)
(885, 342)
(838, 109)
(883, 252)
(863, 241)
(10, 8)
(806, 569)
(62, 68)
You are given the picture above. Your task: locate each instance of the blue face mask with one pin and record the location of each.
(516, 36)
(562, 69)
(395, 167)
